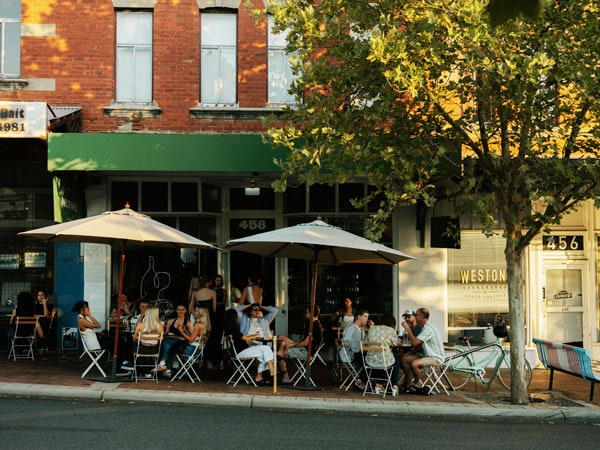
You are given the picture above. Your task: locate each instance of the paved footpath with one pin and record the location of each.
(58, 375)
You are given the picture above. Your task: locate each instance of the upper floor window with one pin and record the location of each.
(218, 68)
(280, 68)
(134, 57)
(10, 38)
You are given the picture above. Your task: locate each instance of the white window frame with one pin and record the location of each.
(218, 80)
(10, 41)
(132, 55)
(279, 80)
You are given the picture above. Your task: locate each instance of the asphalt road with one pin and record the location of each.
(50, 424)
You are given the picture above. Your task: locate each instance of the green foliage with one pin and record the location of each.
(392, 90)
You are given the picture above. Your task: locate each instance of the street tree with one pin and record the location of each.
(407, 93)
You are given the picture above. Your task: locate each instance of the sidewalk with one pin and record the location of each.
(58, 375)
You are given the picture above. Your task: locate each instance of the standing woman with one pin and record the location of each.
(214, 343)
(201, 295)
(252, 293)
(205, 298)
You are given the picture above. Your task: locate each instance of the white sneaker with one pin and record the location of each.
(395, 391)
(378, 389)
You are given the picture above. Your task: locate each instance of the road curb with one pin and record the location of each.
(399, 408)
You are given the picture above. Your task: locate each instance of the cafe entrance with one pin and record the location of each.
(563, 298)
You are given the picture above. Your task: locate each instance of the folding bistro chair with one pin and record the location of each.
(386, 367)
(344, 362)
(434, 375)
(94, 356)
(241, 365)
(187, 363)
(143, 360)
(300, 373)
(21, 343)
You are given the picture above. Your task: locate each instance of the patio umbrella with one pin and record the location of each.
(320, 243)
(110, 227)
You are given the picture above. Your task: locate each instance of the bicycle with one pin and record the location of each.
(466, 361)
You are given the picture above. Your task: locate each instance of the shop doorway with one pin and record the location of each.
(564, 293)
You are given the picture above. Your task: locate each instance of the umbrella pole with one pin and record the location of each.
(313, 298)
(117, 328)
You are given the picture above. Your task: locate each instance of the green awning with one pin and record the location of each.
(159, 152)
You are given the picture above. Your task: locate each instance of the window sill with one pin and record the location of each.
(12, 84)
(133, 110)
(234, 112)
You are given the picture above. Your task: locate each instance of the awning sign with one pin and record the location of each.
(23, 119)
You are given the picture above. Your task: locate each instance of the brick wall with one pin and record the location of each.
(80, 58)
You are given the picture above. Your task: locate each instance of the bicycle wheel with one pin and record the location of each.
(457, 374)
(504, 372)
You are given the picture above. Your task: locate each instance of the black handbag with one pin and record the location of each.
(500, 330)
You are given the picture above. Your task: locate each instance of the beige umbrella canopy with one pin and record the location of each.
(320, 243)
(125, 225)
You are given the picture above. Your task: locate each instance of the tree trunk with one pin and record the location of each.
(514, 273)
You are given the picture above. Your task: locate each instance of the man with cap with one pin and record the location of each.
(409, 317)
(433, 350)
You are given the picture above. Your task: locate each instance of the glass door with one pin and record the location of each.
(563, 303)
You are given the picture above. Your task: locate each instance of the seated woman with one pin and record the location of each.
(25, 308)
(87, 325)
(245, 347)
(151, 324)
(386, 333)
(174, 340)
(200, 331)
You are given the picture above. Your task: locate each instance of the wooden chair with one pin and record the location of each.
(21, 342)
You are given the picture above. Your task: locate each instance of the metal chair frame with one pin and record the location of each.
(153, 357)
(187, 363)
(241, 365)
(386, 367)
(23, 339)
(353, 372)
(94, 356)
(301, 366)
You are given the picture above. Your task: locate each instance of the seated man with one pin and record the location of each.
(256, 319)
(353, 335)
(288, 348)
(433, 350)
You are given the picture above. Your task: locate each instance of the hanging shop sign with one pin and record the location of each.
(23, 119)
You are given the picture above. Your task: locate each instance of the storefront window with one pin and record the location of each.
(477, 286)
(369, 285)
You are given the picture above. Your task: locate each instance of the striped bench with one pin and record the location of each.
(567, 359)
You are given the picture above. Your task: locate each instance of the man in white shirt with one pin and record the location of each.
(433, 350)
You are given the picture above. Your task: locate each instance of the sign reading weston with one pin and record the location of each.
(23, 119)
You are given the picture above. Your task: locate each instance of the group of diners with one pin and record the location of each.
(425, 348)
(180, 334)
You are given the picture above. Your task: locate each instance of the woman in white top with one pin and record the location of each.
(151, 324)
(252, 293)
(87, 325)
